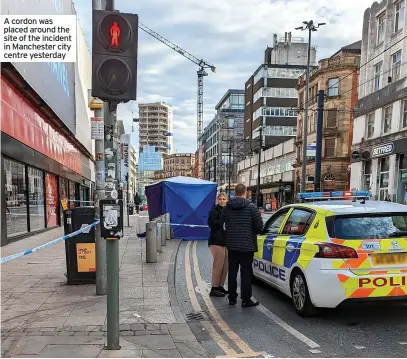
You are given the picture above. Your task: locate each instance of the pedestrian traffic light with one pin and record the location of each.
(114, 55)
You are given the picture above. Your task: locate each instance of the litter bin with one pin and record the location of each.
(80, 250)
(131, 208)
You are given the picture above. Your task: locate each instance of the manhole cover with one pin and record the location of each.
(196, 316)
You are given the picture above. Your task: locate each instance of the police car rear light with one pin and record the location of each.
(331, 250)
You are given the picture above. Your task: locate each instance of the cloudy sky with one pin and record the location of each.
(231, 34)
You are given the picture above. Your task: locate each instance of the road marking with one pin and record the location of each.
(360, 347)
(315, 351)
(247, 351)
(402, 343)
(225, 347)
(287, 327)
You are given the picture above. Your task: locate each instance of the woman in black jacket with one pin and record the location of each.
(217, 245)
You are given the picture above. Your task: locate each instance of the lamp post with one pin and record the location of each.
(258, 167)
(308, 25)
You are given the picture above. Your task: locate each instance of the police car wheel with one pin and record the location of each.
(300, 295)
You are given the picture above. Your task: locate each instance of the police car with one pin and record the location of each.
(334, 247)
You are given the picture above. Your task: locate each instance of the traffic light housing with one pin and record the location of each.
(114, 56)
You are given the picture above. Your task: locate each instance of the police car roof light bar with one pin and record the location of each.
(333, 195)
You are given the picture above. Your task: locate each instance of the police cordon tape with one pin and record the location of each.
(29, 251)
(182, 225)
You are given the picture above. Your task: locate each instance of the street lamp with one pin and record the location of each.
(308, 25)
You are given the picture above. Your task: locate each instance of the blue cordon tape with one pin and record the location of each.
(183, 225)
(29, 251)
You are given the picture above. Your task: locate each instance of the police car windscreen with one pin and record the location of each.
(377, 226)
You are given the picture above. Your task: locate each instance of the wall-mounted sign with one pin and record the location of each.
(355, 155)
(383, 150)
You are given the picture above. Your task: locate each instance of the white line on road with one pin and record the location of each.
(315, 351)
(359, 347)
(287, 327)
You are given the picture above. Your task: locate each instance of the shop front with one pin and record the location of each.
(383, 170)
(40, 166)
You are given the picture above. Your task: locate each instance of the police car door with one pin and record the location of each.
(291, 238)
(262, 262)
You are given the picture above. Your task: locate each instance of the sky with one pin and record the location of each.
(230, 34)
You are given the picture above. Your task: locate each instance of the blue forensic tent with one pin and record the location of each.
(188, 200)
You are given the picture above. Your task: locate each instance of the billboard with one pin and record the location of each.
(53, 81)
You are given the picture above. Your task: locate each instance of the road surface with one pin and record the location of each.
(273, 328)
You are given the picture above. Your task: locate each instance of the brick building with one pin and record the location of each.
(338, 77)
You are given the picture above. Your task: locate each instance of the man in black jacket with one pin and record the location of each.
(241, 221)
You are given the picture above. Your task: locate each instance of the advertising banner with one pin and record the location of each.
(51, 199)
(86, 257)
(124, 157)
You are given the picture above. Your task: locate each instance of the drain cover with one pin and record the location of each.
(196, 316)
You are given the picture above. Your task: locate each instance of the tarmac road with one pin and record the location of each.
(273, 328)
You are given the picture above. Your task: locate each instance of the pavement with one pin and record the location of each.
(41, 316)
(273, 329)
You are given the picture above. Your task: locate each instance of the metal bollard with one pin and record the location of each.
(168, 226)
(163, 231)
(151, 242)
(158, 235)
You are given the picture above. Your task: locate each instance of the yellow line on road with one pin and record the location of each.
(247, 351)
(223, 345)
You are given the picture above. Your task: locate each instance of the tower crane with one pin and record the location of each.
(201, 72)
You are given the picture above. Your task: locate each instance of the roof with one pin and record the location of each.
(355, 47)
(226, 95)
(340, 207)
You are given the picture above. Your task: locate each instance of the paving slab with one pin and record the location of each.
(44, 317)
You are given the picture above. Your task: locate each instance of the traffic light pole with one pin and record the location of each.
(100, 194)
(112, 245)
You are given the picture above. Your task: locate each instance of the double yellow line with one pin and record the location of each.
(224, 328)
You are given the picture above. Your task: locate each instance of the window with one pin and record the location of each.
(404, 114)
(380, 28)
(370, 125)
(378, 76)
(36, 199)
(367, 174)
(377, 226)
(399, 16)
(331, 117)
(274, 223)
(384, 177)
(396, 65)
(333, 87)
(387, 112)
(298, 222)
(330, 148)
(312, 123)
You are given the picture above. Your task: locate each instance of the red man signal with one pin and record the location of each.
(114, 34)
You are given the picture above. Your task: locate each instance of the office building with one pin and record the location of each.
(379, 149)
(338, 77)
(155, 126)
(276, 173)
(223, 139)
(271, 95)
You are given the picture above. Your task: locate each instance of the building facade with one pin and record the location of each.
(379, 149)
(155, 126)
(177, 164)
(46, 151)
(150, 161)
(276, 174)
(223, 139)
(271, 95)
(338, 77)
